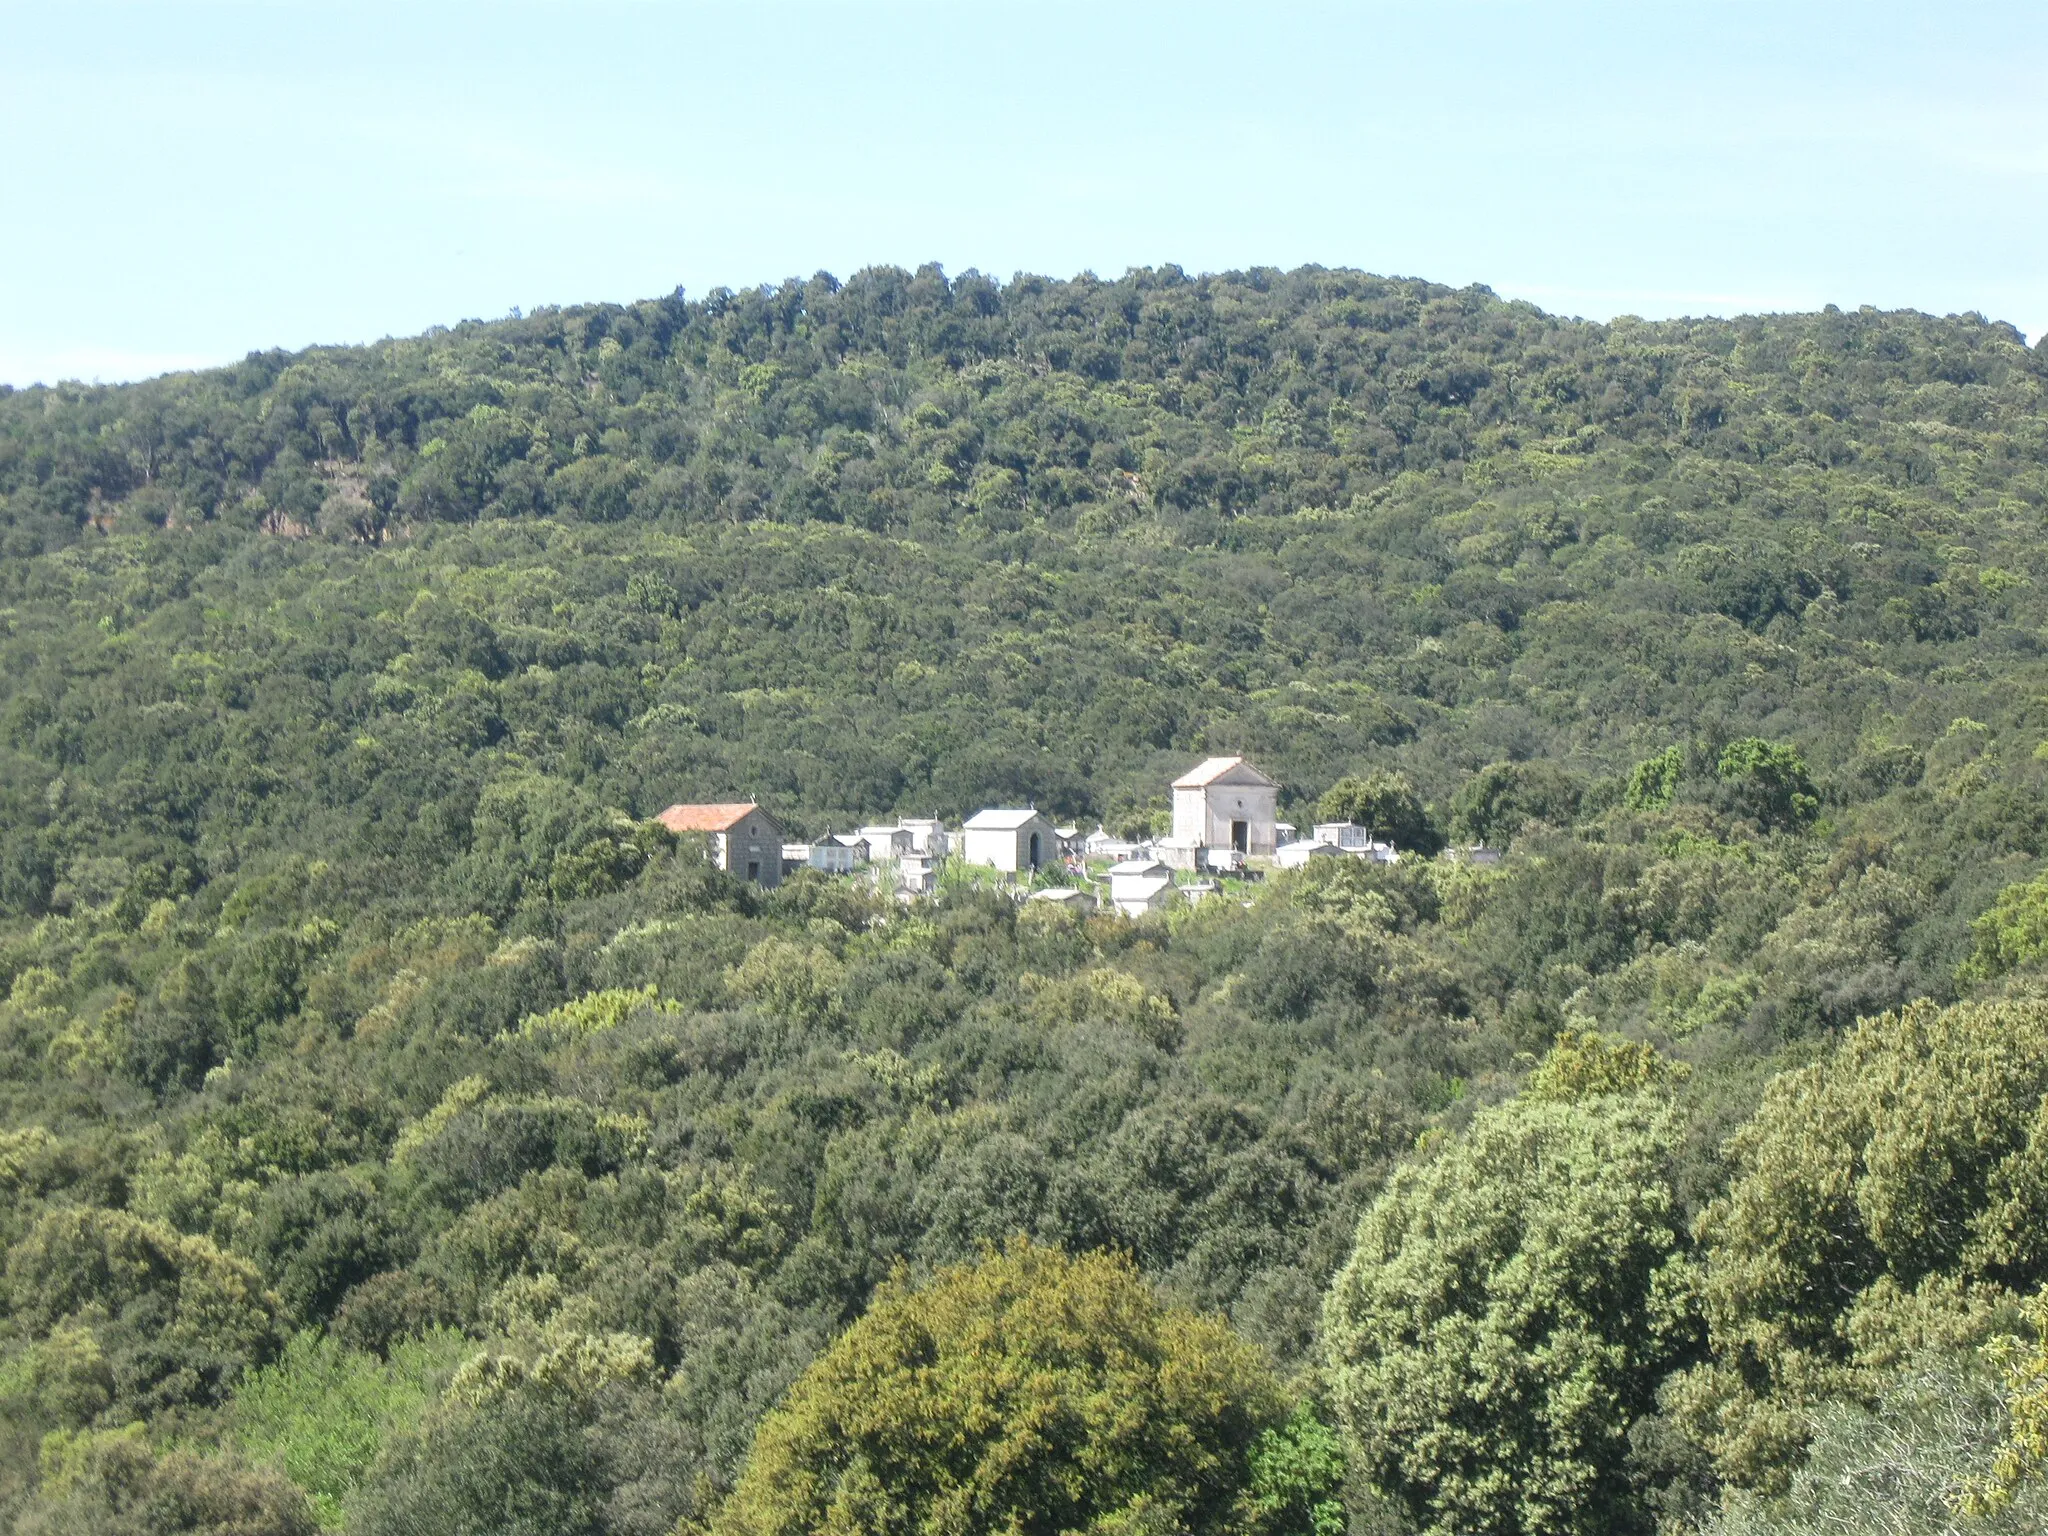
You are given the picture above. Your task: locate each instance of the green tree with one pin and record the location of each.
(1386, 802)
(177, 1319)
(797, 982)
(519, 1466)
(1297, 1476)
(1770, 783)
(121, 1489)
(1492, 805)
(335, 689)
(1586, 1064)
(1653, 783)
(321, 1410)
(2018, 1474)
(549, 1433)
(1888, 1199)
(316, 1236)
(110, 1483)
(1508, 1314)
(1028, 1393)
(1911, 1464)
(2013, 933)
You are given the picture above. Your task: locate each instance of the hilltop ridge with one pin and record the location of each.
(1139, 516)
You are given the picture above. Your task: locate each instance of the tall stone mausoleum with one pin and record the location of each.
(1225, 803)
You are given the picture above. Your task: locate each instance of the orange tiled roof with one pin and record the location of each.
(705, 818)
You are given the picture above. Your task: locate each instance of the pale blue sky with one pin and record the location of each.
(184, 183)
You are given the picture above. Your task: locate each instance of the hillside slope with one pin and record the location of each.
(915, 543)
(356, 1024)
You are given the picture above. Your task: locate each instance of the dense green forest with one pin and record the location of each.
(401, 1134)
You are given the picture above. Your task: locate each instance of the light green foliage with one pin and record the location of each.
(1352, 892)
(1586, 1064)
(1653, 783)
(67, 1457)
(32, 1017)
(559, 1363)
(321, 1411)
(1887, 1199)
(1028, 1391)
(1909, 1465)
(1103, 996)
(461, 1096)
(2018, 1473)
(21, 1152)
(584, 1016)
(2012, 934)
(1297, 1475)
(1771, 782)
(64, 1377)
(795, 981)
(1507, 1316)
(727, 1218)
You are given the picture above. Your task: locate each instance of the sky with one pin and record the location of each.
(185, 183)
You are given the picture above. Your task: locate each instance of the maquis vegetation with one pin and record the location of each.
(402, 1133)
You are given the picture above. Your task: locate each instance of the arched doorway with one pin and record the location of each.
(1034, 850)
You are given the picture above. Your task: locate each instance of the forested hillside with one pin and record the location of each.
(400, 1133)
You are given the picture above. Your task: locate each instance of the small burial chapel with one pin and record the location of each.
(1225, 803)
(1016, 840)
(745, 840)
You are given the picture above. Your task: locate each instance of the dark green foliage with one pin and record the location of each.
(1385, 804)
(172, 1319)
(1886, 1199)
(320, 1235)
(176, 1036)
(522, 1467)
(111, 1485)
(1492, 805)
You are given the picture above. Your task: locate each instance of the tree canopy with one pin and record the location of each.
(1026, 1392)
(1883, 1201)
(1508, 1314)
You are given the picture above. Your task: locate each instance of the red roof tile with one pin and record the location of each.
(705, 818)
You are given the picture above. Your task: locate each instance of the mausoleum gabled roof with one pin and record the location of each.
(1223, 770)
(706, 818)
(999, 819)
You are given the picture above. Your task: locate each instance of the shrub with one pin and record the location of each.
(2012, 934)
(322, 1410)
(1770, 783)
